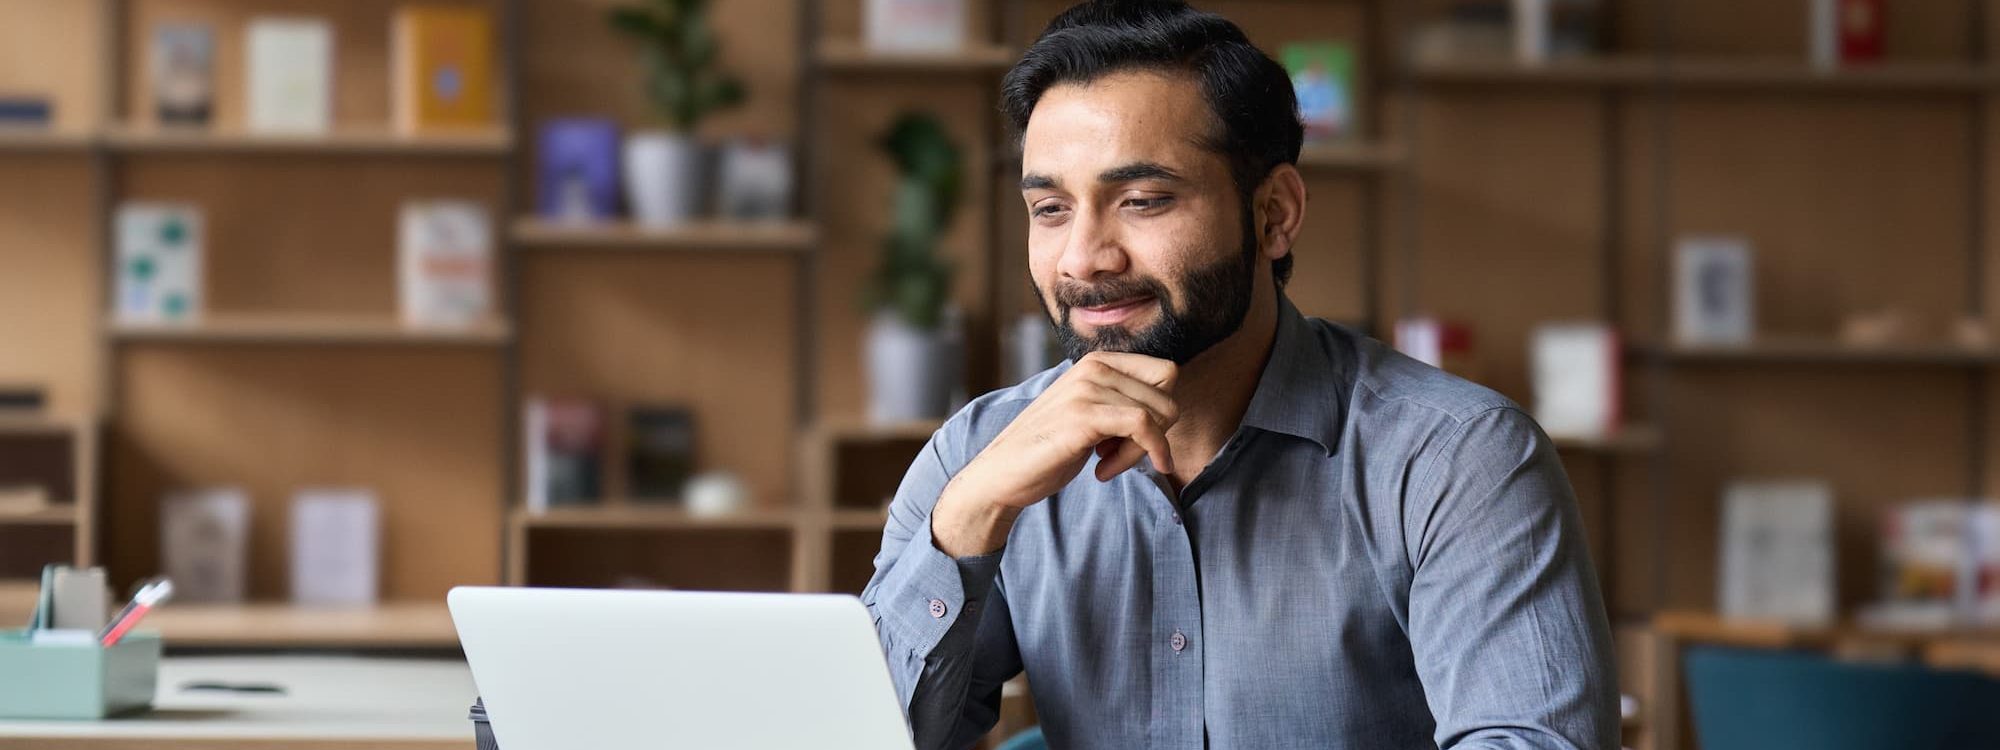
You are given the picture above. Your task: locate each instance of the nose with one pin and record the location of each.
(1092, 247)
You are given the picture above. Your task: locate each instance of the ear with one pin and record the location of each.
(1281, 210)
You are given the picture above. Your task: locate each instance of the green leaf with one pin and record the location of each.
(636, 22)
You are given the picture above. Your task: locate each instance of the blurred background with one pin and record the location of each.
(326, 306)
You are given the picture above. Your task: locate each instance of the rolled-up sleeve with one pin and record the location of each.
(1506, 620)
(943, 622)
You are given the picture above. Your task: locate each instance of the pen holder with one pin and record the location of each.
(76, 680)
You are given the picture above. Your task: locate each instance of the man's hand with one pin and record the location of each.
(1116, 405)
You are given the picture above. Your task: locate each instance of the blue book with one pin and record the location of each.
(577, 169)
(20, 110)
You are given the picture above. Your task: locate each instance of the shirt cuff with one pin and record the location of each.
(932, 591)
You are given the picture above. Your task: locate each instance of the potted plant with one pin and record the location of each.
(663, 168)
(911, 354)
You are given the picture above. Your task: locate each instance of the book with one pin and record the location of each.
(565, 452)
(1714, 296)
(445, 256)
(916, 25)
(336, 547)
(182, 71)
(26, 112)
(577, 169)
(1323, 75)
(1578, 377)
(1777, 551)
(205, 544)
(290, 74)
(754, 181)
(659, 452)
(1847, 31)
(159, 268)
(1443, 344)
(444, 63)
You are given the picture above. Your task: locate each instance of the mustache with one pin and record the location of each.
(1078, 294)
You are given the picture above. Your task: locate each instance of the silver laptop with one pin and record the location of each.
(571, 669)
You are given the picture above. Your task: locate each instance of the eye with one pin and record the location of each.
(1148, 204)
(1048, 210)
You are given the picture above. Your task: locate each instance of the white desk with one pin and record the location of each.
(331, 703)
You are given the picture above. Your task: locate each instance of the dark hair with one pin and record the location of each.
(1256, 112)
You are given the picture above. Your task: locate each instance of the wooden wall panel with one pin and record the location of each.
(58, 56)
(362, 51)
(1510, 231)
(856, 185)
(308, 233)
(708, 560)
(1879, 436)
(709, 331)
(51, 280)
(1852, 205)
(419, 427)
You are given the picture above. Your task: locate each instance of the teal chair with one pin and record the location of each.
(1028, 739)
(1760, 700)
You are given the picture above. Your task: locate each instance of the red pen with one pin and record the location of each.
(150, 595)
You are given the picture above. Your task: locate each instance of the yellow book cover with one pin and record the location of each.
(444, 68)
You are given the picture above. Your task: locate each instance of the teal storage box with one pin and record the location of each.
(76, 680)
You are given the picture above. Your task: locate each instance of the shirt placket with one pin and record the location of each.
(1175, 648)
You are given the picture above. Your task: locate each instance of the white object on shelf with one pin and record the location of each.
(1777, 551)
(911, 371)
(290, 74)
(1577, 379)
(1825, 33)
(1030, 343)
(446, 257)
(1533, 25)
(916, 25)
(205, 544)
(336, 547)
(1714, 290)
(716, 493)
(663, 177)
(159, 263)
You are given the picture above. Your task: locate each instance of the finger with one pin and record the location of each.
(1117, 456)
(1159, 402)
(1157, 372)
(1136, 424)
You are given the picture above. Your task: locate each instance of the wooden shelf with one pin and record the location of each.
(1607, 72)
(1827, 351)
(38, 425)
(62, 514)
(706, 236)
(841, 56)
(308, 329)
(494, 142)
(859, 519)
(627, 517)
(1634, 439)
(400, 625)
(1713, 74)
(1352, 157)
(39, 141)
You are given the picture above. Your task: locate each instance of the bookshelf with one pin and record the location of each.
(701, 237)
(847, 57)
(309, 330)
(1807, 351)
(348, 141)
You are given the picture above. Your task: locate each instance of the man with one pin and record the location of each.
(1222, 524)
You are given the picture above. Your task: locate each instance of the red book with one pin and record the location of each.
(1861, 23)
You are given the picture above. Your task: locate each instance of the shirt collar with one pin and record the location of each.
(1300, 393)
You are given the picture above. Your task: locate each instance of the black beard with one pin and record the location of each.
(1216, 298)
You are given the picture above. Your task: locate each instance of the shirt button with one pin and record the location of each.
(1177, 519)
(937, 609)
(1179, 641)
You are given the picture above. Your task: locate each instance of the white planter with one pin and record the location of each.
(910, 371)
(663, 177)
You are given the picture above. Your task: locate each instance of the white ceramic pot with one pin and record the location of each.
(910, 371)
(916, 25)
(663, 177)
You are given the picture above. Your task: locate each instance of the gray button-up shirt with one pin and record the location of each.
(1382, 556)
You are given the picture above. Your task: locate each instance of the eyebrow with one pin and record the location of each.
(1144, 170)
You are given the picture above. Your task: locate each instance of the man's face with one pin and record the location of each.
(1137, 239)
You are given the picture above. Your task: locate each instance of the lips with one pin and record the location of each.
(1111, 314)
